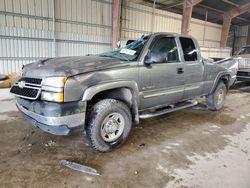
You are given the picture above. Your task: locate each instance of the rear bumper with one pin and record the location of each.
(54, 118)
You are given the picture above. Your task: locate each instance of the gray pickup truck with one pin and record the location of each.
(105, 94)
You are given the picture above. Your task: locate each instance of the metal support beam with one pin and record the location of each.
(54, 27)
(248, 35)
(204, 29)
(187, 14)
(225, 30)
(227, 17)
(230, 2)
(116, 12)
(153, 19)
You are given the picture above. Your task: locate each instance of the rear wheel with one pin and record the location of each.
(109, 125)
(216, 100)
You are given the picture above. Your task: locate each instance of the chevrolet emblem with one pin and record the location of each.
(21, 84)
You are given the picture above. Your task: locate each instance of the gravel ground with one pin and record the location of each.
(188, 148)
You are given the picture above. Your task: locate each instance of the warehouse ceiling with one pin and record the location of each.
(215, 9)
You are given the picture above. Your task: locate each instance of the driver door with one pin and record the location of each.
(162, 83)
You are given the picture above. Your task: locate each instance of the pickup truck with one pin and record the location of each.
(243, 58)
(104, 95)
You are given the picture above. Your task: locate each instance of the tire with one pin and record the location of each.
(215, 101)
(109, 125)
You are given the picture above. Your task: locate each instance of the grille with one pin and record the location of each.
(28, 88)
(36, 81)
(26, 92)
(243, 73)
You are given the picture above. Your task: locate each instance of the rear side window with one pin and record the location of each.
(189, 50)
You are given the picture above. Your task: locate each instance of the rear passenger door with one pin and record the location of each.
(194, 68)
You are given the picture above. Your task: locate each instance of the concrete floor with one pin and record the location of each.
(187, 148)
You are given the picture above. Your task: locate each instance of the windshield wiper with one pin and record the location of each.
(124, 57)
(102, 55)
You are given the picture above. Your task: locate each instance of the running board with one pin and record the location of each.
(169, 109)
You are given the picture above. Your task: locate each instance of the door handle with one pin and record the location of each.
(180, 71)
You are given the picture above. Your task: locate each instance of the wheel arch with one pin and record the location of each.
(224, 77)
(125, 91)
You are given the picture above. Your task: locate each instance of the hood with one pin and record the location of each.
(242, 56)
(70, 66)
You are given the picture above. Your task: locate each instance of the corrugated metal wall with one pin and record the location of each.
(28, 33)
(240, 37)
(138, 20)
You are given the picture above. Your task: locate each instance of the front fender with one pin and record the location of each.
(131, 85)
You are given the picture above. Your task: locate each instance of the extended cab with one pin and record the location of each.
(106, 93)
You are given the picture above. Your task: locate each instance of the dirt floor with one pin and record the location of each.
(188, 148)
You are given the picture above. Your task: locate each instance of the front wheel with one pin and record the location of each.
(109, 125)
(215, 101)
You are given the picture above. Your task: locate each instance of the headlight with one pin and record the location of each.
(54, 81)
(51, 96)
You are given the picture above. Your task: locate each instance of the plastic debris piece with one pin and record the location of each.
(80, 168)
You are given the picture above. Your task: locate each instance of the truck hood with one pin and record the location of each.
(242, 56)
(70, 66)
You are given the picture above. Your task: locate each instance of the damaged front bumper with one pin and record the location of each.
(54, 118)
(243, 75)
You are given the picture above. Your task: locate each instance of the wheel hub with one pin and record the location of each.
(112, 127)
(220, 96)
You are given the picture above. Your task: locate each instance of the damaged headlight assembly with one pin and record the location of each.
(52, 89)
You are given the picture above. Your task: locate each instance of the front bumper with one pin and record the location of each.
(54, 118)
(243, 75)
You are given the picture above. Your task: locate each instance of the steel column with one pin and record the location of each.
(225, 30)
(227, 17)
(248, 35)
(187, 14)
(116, 12)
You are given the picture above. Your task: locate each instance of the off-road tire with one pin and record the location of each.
(99, 112)
(212, 100)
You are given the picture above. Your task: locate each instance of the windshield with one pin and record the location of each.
(245, 50)
(130, 52)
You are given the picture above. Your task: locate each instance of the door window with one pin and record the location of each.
(166, 46)
(189, 50)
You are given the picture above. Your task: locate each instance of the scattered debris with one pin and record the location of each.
(8, 80)
(142, 145)
(3, 77)
(80, 168)
(244, 151)
(50, 143)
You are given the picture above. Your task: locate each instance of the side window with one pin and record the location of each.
(168, 46)
(189, 50)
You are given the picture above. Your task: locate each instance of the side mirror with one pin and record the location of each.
(155, 57)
